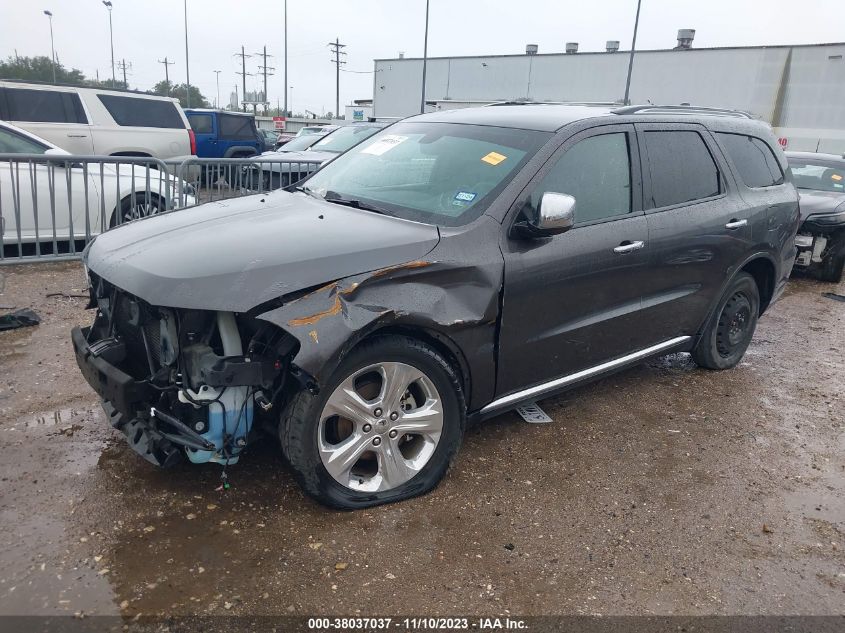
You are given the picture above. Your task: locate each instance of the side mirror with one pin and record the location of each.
(555, 215)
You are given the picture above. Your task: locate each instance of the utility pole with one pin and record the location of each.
(337, 51)
(243, 72)
(123, 66)
(631, 58)
(217, 73)
(425, 60)
(187, 65)
(237, 98)
(286, 58)
(166, 72)
(264, 69)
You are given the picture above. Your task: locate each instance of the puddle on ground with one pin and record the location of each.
(52, 418)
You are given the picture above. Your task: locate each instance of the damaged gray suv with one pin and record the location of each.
(447, 269)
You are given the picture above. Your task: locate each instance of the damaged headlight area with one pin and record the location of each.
(181, 383)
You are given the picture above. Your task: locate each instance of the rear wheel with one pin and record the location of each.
(729, 332)
(385, 427)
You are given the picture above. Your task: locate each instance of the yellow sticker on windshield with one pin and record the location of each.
(493, 158)
(835, 177)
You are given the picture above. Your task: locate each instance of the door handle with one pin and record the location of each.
(77, 136)
(736, 224)
(629, 247)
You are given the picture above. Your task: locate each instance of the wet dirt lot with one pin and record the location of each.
(665, 489)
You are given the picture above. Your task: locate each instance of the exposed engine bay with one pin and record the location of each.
(181, 383)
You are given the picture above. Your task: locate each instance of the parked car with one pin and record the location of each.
(225, 134)
(87, 121)
(446, 269)
(314, 129)
(299, 143)
(820, 179)
(269, 137)
(310, 138)
(283, 139)
(46, 201)
(298, 164)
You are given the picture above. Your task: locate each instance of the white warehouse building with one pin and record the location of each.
(799, 90)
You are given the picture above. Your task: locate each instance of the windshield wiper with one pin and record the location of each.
(309, 192)
(336, 198)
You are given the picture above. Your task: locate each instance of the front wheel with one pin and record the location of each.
(384, 427)
(729, 332)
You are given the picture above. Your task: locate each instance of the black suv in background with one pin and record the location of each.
(451, 266)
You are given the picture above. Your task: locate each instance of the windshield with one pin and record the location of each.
(343, 138)
(299, 143)
(439, 173)
(819, 176)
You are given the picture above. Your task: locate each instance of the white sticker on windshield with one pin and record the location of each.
(384, 144)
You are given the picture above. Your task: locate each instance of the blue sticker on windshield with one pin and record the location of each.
(464, 197)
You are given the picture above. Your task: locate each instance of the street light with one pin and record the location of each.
(291, 103)
(187, 67)
(111, 41)
(217, 73)
(52, 48)
(631, 58)
(425, 59)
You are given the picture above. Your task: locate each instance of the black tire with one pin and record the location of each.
(730, 329)
(831, 267)
(298, 429)
(140, 206)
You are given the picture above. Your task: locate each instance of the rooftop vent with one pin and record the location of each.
(685, 38)
(571, 48)
(530, 49)
(612, 46)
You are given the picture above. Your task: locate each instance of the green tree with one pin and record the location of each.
(180, 91)
(39, 69)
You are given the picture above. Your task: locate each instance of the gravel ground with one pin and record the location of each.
(665, 489)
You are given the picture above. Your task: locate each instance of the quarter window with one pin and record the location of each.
(141, 112)
(753, 159)
(597, 173)
(235, 127)
(681, 167)
(41, 106)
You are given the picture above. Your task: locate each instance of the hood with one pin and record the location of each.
(235, 254)
(813, 202)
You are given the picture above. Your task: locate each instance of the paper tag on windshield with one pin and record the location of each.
(493, 158)
(533, 414)
(384, 144)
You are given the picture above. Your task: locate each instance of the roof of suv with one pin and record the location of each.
(550, 117)
(534, 116)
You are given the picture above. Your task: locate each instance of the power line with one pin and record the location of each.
(243, 72)
(166, 70)
(264, 70)
(122, 65)
(336, 48)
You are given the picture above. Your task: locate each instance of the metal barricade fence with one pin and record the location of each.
(52, 205)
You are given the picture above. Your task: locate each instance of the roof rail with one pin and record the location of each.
(569, 103)
(682, 109)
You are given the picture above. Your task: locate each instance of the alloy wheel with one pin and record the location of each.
(380, 427)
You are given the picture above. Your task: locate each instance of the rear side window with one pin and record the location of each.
(754, 160)
(140, 112)
(41, 106)
(235, 128)
(682, 169)
(597, 172)
(201, 123)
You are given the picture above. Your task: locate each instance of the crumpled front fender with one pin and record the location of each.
(452, 294)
